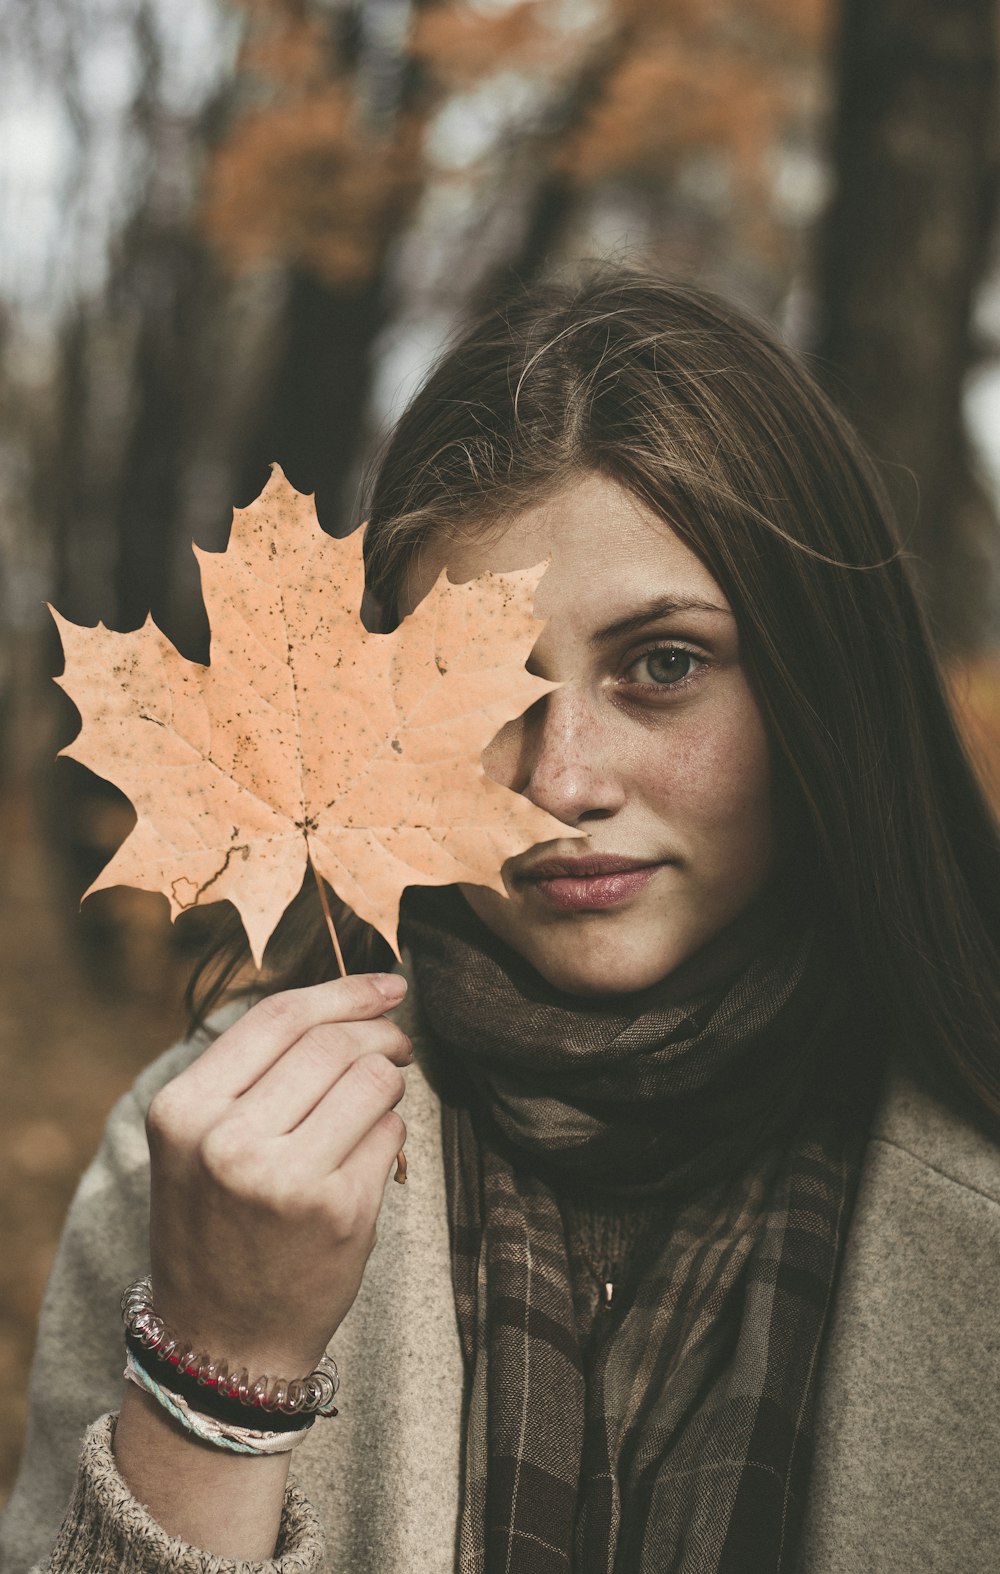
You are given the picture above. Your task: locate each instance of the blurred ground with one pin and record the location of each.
(70, 1045)
(65, 1055)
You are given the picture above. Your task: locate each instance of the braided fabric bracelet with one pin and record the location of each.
(221, 1434)
(208, 1399)
(209, 1384)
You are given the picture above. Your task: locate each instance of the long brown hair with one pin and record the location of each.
(697, 410)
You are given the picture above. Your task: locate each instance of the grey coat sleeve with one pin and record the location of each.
(76, 1375)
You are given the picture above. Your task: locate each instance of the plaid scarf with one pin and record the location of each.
(735, 1096)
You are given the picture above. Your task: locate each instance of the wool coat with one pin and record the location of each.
(906, 1477)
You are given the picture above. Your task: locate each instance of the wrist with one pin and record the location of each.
(227, 1408)
(281, 1351)
(226, 1504)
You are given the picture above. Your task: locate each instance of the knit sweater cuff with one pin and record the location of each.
(107, 1528)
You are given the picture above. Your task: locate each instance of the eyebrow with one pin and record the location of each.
(662, 607)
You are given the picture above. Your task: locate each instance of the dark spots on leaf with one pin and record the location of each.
(397, 745)
(442, 666)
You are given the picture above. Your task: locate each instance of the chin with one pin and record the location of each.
(592, 986)
(601, 963)
(589, 957)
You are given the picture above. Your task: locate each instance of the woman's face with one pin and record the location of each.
(654, 746)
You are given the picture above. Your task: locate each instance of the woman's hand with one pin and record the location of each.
(269, 1159)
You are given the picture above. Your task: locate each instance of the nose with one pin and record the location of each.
(559, 756)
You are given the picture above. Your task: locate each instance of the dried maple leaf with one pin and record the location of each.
(307, 739)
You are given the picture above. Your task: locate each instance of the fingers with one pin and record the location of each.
(345, 1116)
(296, 1082)
(245, 1051)
(269, 1163)
(361, 1180)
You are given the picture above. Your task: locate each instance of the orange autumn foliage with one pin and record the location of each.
(308, 741)
(299, 176)
(303, 176)
(301, 183)
(286, 50)
(660, 107)
(699, 76)
(460, 45)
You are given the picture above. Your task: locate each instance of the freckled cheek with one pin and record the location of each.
(713, 778)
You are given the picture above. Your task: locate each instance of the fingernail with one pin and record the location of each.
(391, 985)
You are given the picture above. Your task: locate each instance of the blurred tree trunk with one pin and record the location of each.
(312, 421)
(553, 193)
(167, 282)
(313, 417)
(906, 242)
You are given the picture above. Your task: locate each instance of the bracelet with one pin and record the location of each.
(221, 1434)
(209, 1401)
(175, 1361)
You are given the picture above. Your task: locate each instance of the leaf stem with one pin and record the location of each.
(329, 917)
(400, 1174)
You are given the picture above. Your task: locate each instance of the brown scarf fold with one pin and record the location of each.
(735, 1096)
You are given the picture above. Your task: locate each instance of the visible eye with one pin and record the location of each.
(668, 667)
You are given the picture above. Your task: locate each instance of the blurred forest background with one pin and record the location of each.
(238, 232)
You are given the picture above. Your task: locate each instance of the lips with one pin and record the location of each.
(575, 885)
(585, 868)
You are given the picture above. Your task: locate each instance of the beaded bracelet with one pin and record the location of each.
(208, 1400)
(177, 1366)
(221, 1434)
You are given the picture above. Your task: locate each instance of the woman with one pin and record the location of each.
(697, 1270)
